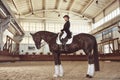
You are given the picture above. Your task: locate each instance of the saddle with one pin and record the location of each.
(62, 37)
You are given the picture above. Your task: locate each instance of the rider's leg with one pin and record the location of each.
(68, 34)
(64, 46)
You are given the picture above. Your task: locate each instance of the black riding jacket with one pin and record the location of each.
(66, 27)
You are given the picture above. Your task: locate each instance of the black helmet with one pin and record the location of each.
(66, 16)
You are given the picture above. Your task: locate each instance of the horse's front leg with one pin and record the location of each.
(91, 69)
(58, 66)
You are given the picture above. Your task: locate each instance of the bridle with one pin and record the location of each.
(42, 44)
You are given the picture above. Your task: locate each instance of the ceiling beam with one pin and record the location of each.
(31, 7)
(107, 5)
(53, 19)
(12, 15)
(86, 6)
(56, 10)
(13, 1)
(70, 4)
(43, 4)
(44, 7)
(59, 4)
(56, 4)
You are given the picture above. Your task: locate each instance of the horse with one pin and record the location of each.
(83, 41)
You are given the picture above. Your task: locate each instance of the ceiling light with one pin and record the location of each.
(65, 0)
(96, 1)
(58, 15)
(83, 16)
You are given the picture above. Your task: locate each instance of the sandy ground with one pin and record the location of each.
(74, 70)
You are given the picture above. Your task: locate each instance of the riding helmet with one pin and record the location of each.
(66, 16)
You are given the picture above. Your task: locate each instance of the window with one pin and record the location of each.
(108, 17)
(50, 27)
(25, 26)
(25, 40)
(108, 34)
(32, 27)
(108, 48)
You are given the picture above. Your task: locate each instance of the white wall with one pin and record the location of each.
(6, 32)
(24, 49)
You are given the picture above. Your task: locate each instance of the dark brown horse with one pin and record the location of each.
(83, 41)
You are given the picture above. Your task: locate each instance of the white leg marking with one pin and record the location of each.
(91, 69)
(88, 71)
(61, 71)
(56, 71)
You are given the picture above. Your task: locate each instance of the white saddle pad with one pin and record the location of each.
(63, 36)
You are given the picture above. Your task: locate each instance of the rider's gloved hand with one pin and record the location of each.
(62, 30)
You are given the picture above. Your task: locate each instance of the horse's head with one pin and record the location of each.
(37, 39)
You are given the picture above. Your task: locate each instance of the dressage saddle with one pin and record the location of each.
(64, 40)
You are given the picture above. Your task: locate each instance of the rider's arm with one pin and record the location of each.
(66, 26)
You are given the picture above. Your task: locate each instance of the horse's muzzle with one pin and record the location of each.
(39, 46)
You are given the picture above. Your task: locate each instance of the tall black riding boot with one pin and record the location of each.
(64, 47)
(64, 44)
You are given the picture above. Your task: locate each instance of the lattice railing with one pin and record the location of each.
(112, 43)
(11, 46)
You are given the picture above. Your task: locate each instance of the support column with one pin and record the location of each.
(44, 25)
(3, 27)
(1, 38)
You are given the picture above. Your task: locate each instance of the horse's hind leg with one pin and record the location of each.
(91, 69)
(58, 66)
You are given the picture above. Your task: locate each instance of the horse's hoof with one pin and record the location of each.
(61, 75)
(55, 75)
(88, 76)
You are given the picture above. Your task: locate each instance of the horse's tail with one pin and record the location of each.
(96, 57)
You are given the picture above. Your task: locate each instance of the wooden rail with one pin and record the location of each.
(113, 44)
(11, 46)
(112, 57)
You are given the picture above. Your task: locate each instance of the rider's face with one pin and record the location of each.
(65, 18)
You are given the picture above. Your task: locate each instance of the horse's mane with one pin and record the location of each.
(46, 32)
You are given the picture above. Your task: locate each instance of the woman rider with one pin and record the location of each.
(66, 28)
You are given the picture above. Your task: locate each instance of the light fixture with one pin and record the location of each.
(65, 0)
(96, 1)
(2, 13)
(59, 15)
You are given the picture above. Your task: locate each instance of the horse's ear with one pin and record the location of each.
(31, 34)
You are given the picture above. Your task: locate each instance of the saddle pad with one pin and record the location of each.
(63, 36)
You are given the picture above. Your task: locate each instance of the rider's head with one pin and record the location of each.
(66, 17)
